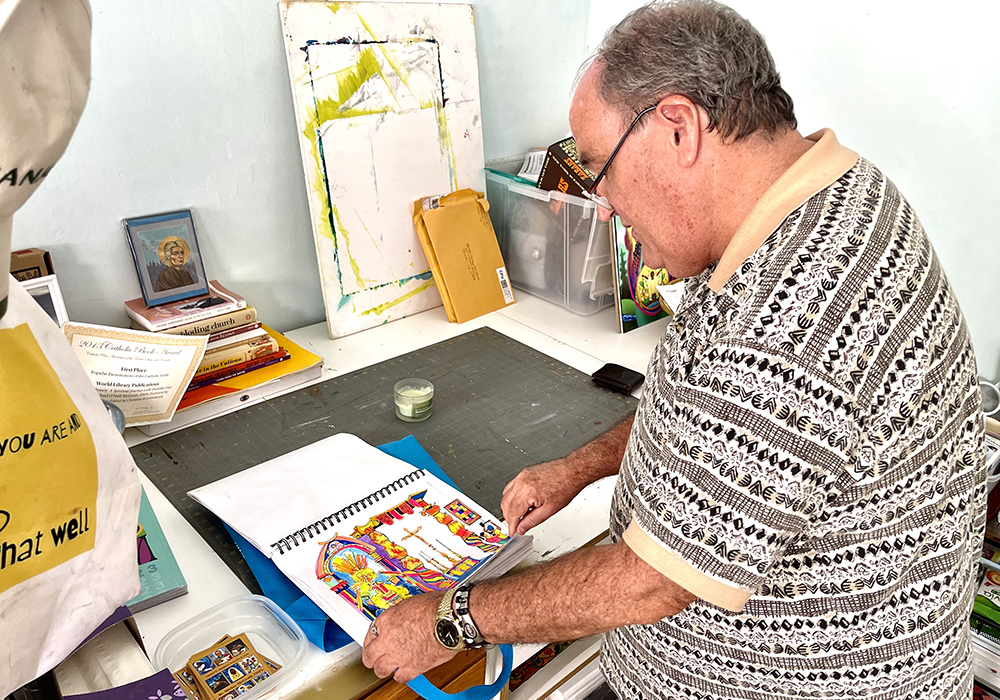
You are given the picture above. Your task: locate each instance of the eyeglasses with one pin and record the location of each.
(590, 194)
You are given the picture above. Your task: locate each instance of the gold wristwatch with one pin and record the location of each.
(446, 625)
(454, 627)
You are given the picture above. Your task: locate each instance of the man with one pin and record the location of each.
(800, 498)
(174, 256)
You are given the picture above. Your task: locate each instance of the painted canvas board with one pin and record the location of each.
(387, 109)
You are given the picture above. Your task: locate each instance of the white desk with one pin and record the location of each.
(585, 343)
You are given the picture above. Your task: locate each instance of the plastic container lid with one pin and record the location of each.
(270, 630)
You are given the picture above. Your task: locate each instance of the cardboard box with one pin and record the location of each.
(458, 239)
(30, 263)
(562, 171)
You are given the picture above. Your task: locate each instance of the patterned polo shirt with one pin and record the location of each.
(807, 459)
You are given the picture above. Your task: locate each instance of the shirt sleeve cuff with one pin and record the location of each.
(651, 551)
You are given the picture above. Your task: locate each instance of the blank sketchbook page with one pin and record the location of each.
(267, 502)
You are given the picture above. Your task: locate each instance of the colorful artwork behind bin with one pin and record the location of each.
(636, 300)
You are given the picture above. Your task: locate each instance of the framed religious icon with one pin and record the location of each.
(167, 258)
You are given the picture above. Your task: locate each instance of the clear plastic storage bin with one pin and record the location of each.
(271, 631)
(554, 245)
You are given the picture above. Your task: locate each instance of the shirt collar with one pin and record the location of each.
(819, 167)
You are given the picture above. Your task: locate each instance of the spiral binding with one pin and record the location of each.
(298, 537)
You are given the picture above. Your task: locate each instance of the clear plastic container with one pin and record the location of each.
(414, 399)
(554, 245)
(270, 630)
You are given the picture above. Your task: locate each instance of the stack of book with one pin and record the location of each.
(244, 359)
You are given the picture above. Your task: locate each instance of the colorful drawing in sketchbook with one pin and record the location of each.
(414, 547)
(387, 107)
(462, 512)
(636, 299)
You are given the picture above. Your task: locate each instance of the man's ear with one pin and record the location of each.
(684, 121)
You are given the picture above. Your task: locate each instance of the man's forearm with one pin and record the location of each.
(585, 592)
(541, 491)
(602, 456)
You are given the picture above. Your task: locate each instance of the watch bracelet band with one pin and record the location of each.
(446, 606)
(445, 611)
(460, 609)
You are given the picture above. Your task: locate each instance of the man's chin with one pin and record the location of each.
(655, 263)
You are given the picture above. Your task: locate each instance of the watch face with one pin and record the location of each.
(448, 634)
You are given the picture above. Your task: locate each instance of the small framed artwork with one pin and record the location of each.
(45, 291)
(167, 258)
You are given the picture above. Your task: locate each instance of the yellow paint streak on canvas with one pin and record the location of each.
(403, 75)
(334, 7)
(388, 86)
(444, 131)
(319, 182)
(381, 308)
(349, 81)
(448, 147)
(358, 112)
(395, 277)
(346, 236)
(447, 143)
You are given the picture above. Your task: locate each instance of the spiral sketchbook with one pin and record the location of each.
(358, 530)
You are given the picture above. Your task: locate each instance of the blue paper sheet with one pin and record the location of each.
(318, 628)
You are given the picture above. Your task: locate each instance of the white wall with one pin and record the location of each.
(915, 88)
(190, 107)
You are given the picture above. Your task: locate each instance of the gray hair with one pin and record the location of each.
(702, 50)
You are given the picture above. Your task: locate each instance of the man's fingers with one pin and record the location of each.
(368, 654)
(515, 509)
(383, 669)
(534, 517)
(516, 481)
(509, 511)
(523, 509)
(509, 495)
(402, 676)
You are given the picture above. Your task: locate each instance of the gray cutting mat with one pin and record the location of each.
(499, 406)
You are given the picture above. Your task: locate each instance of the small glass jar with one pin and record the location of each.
(414, 399)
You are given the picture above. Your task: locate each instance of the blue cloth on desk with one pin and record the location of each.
(318, 628)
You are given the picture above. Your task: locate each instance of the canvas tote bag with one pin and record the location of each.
(69, 494)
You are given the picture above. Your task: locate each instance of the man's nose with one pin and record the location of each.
(604, 214)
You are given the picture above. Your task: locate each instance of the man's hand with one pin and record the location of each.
(538, 493)
(406, 646)
(541, 491)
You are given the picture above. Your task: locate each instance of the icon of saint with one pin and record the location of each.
(174, 254)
